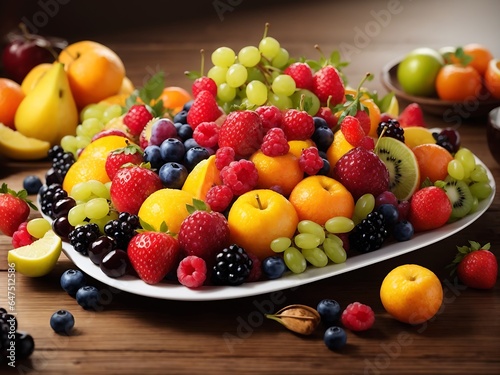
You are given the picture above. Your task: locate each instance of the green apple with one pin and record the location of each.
(418, 70)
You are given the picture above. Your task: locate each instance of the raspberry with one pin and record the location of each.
(136, 118)
(297, 125)
(192, 271)
(219, 197)
(241, 176)
(358, 317)
(204, 83)
(271, 116)
(206, 134)
(21, 236)
(301, 74)
(223, 156)
(256, 271)
(310, 162)
(204, 108)
(275, 143)
(242, 130)
(327, 85)
(352, 130)
(392, 129)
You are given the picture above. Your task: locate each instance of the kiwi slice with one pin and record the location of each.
(402, 165)
(460, 196)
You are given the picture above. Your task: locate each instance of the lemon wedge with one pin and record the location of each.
(203, 176)
(393, 108)
(15, 145)
(38, 258)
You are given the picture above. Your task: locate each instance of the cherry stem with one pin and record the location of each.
(259, 202)
(266, 29)
(316, 46)
(301, 103)
(202, 68)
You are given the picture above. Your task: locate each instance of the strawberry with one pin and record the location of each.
(136, 119)
(297, 125)
(203, 233)
(430, 208)
(204, 83)
(242, 131)
(327, 82)
(131, 186)
(412, 115)
(301, 74)
(14, 209)
(153, 255)
(361, 171)
(364, 120)
(117, 158)
(204, 108)
(352, 130)
(476, 266)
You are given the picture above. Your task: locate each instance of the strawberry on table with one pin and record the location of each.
(116, 159)
(14, 209)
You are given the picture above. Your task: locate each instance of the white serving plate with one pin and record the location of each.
(173, 291)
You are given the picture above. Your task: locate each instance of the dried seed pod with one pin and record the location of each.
(297, 318)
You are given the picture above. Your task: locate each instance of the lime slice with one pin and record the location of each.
(39, 258)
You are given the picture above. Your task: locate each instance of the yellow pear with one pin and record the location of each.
(34, 75)
(49, 111)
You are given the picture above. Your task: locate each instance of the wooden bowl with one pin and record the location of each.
(450, 111)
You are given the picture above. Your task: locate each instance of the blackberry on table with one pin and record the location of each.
(81, 237)
(369, 234)
(392, 129)
(122, 229)
(232, 266)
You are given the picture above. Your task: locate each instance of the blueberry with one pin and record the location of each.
(181, 117)
(72, 280)
(402, 231)
(88, 297)
(194, 155)
(152, 155)
(335, 338)
(185, 131)
(323, 138)
(320, 122)
(187, 105)
(172, 149)
(62, 321)
(389, 212)
(273, 267)
(173, 175)
(329, 310)
(190, 143)
(325, 169)
(32, 184)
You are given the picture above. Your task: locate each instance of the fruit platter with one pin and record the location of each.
(269, 172)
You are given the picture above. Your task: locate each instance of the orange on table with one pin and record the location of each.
(492, 78)
(411, 293)
(296, 146)
(277, 171)
(458, 83)
(203, 176)
(481, 56)
(174, 98)
(319, 198)
(11, 95)
(338, 148)
(432, 161)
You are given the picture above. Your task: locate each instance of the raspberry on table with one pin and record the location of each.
(224, 156)
(358, 317)
(192, 271)
(271, 116)
(241, 176)
(275, 143)
(310, 161)
(219, 197)
(206, 134)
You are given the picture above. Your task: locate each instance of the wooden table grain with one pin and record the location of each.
(134, 334)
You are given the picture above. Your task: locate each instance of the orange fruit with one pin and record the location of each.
(101, 147)
(319, 198)
(127, 87)
(84, 170)
(338, 148)
(119, 99)
(203, 176)
(174, 98)
(11, 95)
(432, 161)
(492, 78)
(481, 56)
(296, 146)
(458, 83)
(374, 112)
(411, 293)
(277, 171)
(258, 217)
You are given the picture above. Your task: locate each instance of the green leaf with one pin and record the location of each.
(192, 74)
(199, 205)
(153, 88)
(163, 227)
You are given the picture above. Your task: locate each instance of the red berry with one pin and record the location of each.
(301, 74)
(136, 118)
(358, 317)
(14, 209)
(477, 266)
(352, 130)
(224, 156)
(192, 271)
(270, 115)
(204, 84)
(256, 271)
(310, 161)
(367, 143)
(297, 125)
(364, 121)
(326, 114)
(206, 134)
(219, 197)
(241, 176)
(328, 83)
(430, 208)
(116, 159)
(411, 115)
(21, 236)
(204, 108)
(275, 143)
(243, 131)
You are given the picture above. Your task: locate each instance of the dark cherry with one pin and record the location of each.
(62, 206)
(62, 227)
(115, 263)
(100, 248)
(52, 176)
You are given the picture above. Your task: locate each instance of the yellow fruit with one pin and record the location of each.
(411, 293)
(127, 86)
(166, 205)
(417, 135)
(16, 146)
(393, 109)
(85, 170)
(203, 176)
(338, 148)
(100, 148)
(39, 258)
(34, 75)
(296, 146)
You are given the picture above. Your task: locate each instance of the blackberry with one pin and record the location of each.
(81, 237)
(232, 266)
(24, 342)
(61, 160)
(443, 141)
(392, 129)
(369, 234)
(49, 195)
(122, 229)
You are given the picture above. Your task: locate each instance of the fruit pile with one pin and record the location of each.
(454, 74)
(271, 166)
(15, 345)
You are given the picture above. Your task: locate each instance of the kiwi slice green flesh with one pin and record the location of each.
(460, 196)
(402, 165)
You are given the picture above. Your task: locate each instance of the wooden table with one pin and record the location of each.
(136, 334)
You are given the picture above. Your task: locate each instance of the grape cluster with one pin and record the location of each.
(14, 345)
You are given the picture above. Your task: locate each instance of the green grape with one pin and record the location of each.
(98, 189)
(256, 92)
(225, 92)
(364, 205)
(69, 143)
(76, 215)
(280, 244)
(311, 102)
(223, 57)
(456, 169)
(479, 174)
(309, 226)
(90, 127)
(236, 75)
(81, 191)
(91, 111)
(112, 215)
(481, 190)
(306, 240)
(249, 56)
(38, 227)
(283, 85)
(113, 111)
(255, 74)
(269, 47)
(339, 224)
(335, 238)
(334, 250)
(467, 158)
(475, 205)
(315, 256)
(280, 60)
(294, 260)
(218, 74)
(82, 141)
(280, 101)
(96, 208)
